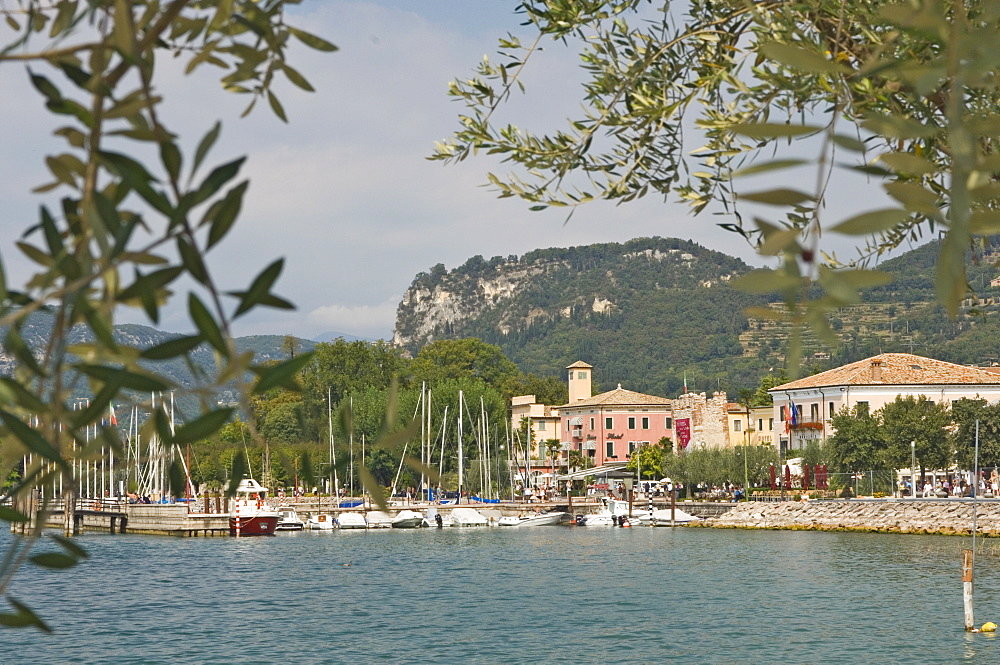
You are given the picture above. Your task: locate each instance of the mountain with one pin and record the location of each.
(643, 312)
(265, 347)
(651, 310)
(333, 335)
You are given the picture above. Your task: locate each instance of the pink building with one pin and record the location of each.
(609, 427)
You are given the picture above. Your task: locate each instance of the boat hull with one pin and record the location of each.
(258, 525)
(351, 521)
(543, 519)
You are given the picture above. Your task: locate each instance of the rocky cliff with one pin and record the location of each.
(598, 302)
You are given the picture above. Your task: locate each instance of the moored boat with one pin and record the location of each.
(288, 520)
(468, 517)
(663, 518)
(615, 513)
(436, 519)
(251, 516)
(407, 519)
(351, 521)
(534, 519)
(320, 522)
(378, 519)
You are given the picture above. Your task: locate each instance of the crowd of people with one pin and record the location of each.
(952, 486)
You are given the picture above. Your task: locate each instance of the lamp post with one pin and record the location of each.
(913, 464)
(628, 488)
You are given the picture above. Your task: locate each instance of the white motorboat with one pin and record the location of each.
(662, 517)
(288, 520)
(435, 518)
(352, 521)
(468, 517)
(612, 514)
(534, 519)
(320, 522)
(378, 519)
(407, 519)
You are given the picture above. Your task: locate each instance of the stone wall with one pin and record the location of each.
(709, 421)
(946, 516)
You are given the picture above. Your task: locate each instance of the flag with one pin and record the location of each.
(114, 419)
(795, 418)
(683, 428)
(685, 382)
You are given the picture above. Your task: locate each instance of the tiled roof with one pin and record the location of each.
(578, 363)
(896, 369)
(621, 397)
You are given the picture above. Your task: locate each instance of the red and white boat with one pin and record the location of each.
(251, 516)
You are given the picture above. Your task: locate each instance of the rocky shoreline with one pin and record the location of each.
(922, 516)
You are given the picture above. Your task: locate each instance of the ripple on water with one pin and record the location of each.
(555, 595)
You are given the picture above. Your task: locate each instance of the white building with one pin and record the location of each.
(873, 382)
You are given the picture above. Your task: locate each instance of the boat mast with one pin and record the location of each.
(423, 432)
(444, 431)
(333, 457)
(350, 435)
(460, 461)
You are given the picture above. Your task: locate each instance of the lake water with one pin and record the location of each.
(544, 595)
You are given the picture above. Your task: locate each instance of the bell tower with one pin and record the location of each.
(579, 381)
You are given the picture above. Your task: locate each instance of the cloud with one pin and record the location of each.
(373, 321)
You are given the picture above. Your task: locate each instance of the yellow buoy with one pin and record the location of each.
(989, 627)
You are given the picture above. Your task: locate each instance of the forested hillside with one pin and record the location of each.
(644, 312)
(649, 311)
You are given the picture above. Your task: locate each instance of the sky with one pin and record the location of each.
(344, 191)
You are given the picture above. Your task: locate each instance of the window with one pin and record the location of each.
(581, 375)
(541, 425)
(863, 406)
(770, 424)
(631, 423)
(668, 423)
(645, 423)
(609, 423)
(830, 412)
(737, 425)
(631, 447)
(591, 453)
(814, 412)
(610, 449)
(760, 424)
(592, 424)
(781, 414)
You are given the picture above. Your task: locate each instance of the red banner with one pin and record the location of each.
(683, 428)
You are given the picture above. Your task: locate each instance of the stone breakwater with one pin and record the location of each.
(948, 516)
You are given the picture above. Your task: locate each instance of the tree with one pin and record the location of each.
(648, 461)
(290, 345)
(922, 421)
(966, 413)
(546, 389)
(859, 442)
(126, 218)
(463, 358)
(340, 368)
(902, 92)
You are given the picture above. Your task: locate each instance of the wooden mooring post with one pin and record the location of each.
(967, 564)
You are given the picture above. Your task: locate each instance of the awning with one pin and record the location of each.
(576, 422)
(613, 470)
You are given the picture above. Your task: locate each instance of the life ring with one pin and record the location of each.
(97, 506)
